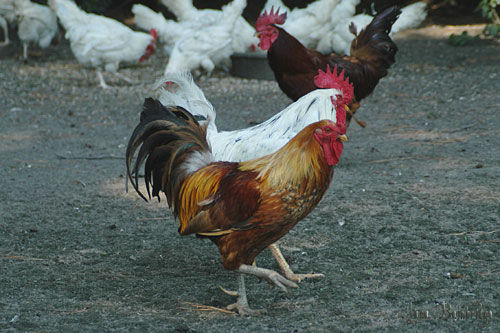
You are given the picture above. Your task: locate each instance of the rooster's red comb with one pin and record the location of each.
(332, 80)
(272, 18)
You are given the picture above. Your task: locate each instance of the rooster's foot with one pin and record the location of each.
(241, 305)
(274, 278)
(229, 292)
(244, 309)
(285, 268)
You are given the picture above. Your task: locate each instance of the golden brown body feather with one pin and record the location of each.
(248, 206)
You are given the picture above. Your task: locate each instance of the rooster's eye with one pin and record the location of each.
(328, 129)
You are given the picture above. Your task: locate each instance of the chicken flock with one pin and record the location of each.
(242, 189)
(200, 40)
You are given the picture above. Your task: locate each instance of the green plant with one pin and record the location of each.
(488, 10)
(461, 40)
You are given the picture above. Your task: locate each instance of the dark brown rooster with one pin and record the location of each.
(242, 207)
(294, 66)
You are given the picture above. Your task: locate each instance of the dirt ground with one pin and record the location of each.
(411, 219)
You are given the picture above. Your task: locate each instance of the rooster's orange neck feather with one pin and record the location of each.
(301, 161)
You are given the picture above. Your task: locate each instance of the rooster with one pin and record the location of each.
(267, 137)
(294, 66)
(242, 207)
(100, 41)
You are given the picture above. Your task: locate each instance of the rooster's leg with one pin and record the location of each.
(241, 304)
(102, 83)
(285, 268)
(350, 114)
(3, 25)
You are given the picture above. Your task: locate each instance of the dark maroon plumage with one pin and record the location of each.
(294, 66)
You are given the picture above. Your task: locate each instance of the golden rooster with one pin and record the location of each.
(242, 207)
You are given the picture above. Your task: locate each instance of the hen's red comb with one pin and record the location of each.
(272, 18)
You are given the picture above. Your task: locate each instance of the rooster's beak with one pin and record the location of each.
(343, 138)
(257, 34)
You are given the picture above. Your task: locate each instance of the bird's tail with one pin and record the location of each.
(373, 43)
(172, 144)
(179, 88)
(233, 10)
(147, 19)
(182, 9)
(70, 15)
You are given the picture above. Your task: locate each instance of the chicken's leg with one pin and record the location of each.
(25, 51)
(102, 83)
(350, 114)
(241, 304)
(123, 77)
(3, 25)
(285, 268)
(274, 278)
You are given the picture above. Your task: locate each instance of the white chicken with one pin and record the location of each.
(248, 143)
(276, 4)
(204, 44)
(169, 31)
(7, 15)
(308, 24)
(242, 35)
(411, 17)
(256, 141)
(102, 42)
(339, 39)
(36, 24)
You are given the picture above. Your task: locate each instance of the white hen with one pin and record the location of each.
(102, 42)
(340, 38)
(36, 24)
(169, 31)
(7, 15)
(308, 24)
(276, 4)
(242, 35)
(411, 17)
(206, 45)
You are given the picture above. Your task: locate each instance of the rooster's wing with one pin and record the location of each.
(218, 200)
